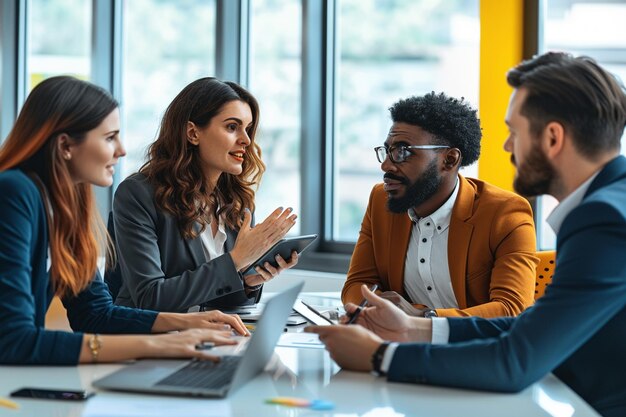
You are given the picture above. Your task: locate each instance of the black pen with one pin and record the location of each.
(316, 312)
(358, 310)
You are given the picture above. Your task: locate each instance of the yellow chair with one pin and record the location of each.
(545, 269)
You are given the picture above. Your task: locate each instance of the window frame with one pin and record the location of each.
(319, 56)
(13, 72)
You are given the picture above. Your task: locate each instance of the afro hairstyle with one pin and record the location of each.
(453, 122)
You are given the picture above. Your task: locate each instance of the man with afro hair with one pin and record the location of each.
(565, 121)
(437, 243)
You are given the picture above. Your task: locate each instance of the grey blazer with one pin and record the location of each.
(159, 269)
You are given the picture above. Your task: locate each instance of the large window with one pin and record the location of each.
(275, 79)
(583, 27)
(324, 72)
(390, 50)
(59, 40)
(167, 44)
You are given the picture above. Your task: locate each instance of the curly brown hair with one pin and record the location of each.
(174, 167)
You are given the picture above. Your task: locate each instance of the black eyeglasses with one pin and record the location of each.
(400, 153)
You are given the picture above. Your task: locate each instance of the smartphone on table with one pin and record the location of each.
(52, 394)
(311, 314)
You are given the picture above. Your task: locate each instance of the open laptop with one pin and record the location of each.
(206, 378)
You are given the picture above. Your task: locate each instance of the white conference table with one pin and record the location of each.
(307, 373)
(295, 372)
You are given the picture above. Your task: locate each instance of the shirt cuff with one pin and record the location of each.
(391, 349)
(440, 336)
(441, 331)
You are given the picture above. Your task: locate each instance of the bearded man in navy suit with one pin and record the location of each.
(566, 118)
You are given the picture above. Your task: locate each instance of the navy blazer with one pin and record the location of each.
(576, 330)
(26, 290)
(161, 270)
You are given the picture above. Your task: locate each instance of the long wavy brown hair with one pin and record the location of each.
(174, 165)
(76, 232)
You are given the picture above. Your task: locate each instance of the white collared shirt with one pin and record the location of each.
(569, 203)
(213, 246)
(426, 269)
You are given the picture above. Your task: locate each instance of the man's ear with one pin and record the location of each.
(64, 146)
(452, 159)
(192, 134)
(553, 139)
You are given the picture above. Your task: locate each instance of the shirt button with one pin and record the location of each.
(424, 240)
(429, 288)
(438, 227)
(422, 260)
(428, 224)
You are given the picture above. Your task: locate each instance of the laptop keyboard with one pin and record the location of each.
(204, 374)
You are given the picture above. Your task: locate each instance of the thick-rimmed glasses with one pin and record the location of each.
(400, 153)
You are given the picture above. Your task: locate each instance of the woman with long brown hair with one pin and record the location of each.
(183, 222)
(66, 139)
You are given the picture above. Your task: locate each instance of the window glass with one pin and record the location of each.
(1, 77)
(583, 27)
(390, 50)
(275, 79)
(59, 39)
(589, 27)
(167, 44)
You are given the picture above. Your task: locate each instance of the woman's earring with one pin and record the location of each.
(67, 156)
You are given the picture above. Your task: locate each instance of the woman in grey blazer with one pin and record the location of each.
(183, 223)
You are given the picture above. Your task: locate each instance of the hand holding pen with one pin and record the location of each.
(386, 320)
(355, 315)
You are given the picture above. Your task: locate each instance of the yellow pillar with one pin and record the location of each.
(501, 46)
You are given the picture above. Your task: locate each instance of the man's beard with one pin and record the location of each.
(535, 176)
(421, 190)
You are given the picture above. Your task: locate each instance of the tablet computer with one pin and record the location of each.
(284, 247)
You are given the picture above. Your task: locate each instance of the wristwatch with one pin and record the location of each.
(430, 313)
(377, 359)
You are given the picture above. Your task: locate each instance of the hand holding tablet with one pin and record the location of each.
(284, 248)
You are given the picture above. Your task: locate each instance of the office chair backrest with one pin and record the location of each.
(113, 277)
(545, 269)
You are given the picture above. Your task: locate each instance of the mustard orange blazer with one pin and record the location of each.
(491, 251)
